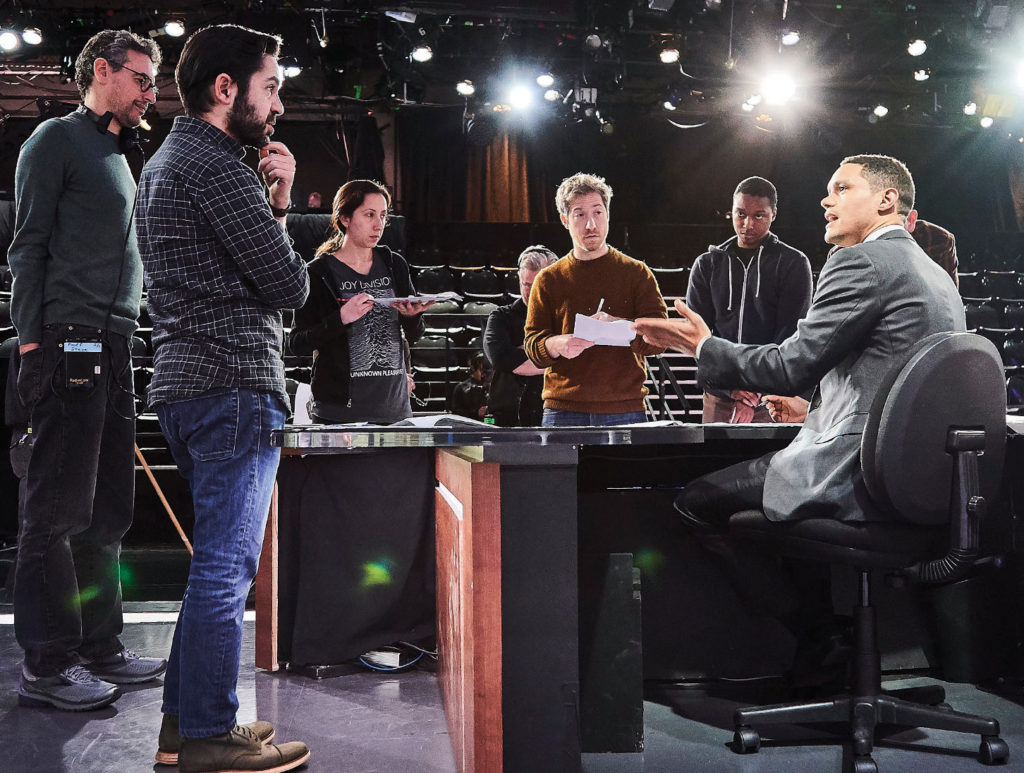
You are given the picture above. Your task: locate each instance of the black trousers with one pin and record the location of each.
(755, 575)
(79, 495)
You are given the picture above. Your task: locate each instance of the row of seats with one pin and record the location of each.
(991, 284)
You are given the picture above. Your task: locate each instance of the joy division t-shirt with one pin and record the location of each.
(378, 389)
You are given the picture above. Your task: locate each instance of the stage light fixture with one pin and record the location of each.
(174, 27)
(32, 35)
(748, 107)
(669, 104)
(778, 88)
(292, 70)
(669, 55)
(916, 47)
(923, 74)
(9, 41)
(880, 111)
(545, 80)
(790, 37)
(552, 95)
(422, 53)
(986, 122)
(593, 41)
(465, 88)
(971, 108)
(520, 97)
(607, 127)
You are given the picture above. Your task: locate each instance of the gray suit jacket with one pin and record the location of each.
(873, 302)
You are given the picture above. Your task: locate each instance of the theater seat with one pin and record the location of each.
(931, 431)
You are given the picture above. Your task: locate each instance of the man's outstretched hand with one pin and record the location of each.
(683, 334)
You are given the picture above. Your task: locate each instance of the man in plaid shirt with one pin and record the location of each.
(219, 268)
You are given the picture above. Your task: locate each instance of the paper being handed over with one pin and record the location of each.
(617, 333)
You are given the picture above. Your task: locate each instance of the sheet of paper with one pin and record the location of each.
(617, 333)
(445, 296)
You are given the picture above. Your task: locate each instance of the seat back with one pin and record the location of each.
(950, 380)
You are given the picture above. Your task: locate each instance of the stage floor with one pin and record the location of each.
(366, 722)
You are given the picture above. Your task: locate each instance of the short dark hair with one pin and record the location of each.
(758, 186)
(223, 48)
(112, 45)
(479, 361)
(887, 172)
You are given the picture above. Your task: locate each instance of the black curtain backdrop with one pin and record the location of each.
(664, 174)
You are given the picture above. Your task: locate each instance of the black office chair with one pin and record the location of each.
(938, 421)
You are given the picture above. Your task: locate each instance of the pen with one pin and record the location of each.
(599, 305)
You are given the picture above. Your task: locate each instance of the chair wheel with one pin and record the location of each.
(864, 764)
(746, 740)
(993, 751)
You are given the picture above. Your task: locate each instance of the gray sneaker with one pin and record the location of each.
(73, 689)
(239, 751)
(125, 667)
(169, 743)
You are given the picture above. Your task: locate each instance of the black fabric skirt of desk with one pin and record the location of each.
(356, 546)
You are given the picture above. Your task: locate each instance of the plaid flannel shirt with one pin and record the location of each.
(219, 268)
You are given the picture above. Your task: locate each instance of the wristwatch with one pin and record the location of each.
(278, 211)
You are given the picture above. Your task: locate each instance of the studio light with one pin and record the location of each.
(971, 108)
(916, 47)
(465, 88)
(9, 41)
(422, 54)
(520, 97)
(669, 104)
(552, 95)
(986, 121)
(669, 55)
(880, 111)
(175, 28)
(545, 80)
(32, 35)
(747, 107)
(922, 74)
(790, 37)
(593, 41)
(778, 88)
(292, 70)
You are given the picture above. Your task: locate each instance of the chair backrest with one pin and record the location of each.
(949, 380)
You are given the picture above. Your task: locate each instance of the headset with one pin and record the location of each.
(127, 141)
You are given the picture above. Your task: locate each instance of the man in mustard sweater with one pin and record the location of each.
(587, 384)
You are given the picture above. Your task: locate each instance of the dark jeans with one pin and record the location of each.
(221, 444)
(554, 417)
(79, 493)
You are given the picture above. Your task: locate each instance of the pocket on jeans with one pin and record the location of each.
(215, 419)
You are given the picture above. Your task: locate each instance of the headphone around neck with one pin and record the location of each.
(128, 140)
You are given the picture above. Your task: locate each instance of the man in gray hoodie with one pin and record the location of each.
(751, 289)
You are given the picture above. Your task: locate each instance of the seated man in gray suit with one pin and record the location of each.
(876, 297)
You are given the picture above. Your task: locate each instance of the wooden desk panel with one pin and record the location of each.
(468, 513)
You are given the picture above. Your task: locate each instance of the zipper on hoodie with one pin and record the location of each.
(743, 291)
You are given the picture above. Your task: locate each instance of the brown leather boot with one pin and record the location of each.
(239, 751)
(169, 743)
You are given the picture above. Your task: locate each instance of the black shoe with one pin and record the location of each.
(125, 667)
(73, 689)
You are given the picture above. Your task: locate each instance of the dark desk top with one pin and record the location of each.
(335, 439)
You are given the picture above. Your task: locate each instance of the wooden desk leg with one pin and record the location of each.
(266, 594)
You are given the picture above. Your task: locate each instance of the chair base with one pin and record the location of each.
(863, 714)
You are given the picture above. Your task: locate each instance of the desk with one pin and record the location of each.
(507, 547)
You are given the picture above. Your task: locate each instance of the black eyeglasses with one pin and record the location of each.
(145, 82)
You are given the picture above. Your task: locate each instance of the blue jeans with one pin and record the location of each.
(221, 444)
(556, 418)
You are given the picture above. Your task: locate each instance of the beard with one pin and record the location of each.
(247, 127)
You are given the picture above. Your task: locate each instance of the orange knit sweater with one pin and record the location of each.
(603, 379)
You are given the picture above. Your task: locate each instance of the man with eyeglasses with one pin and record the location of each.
(75, 304)
(751, 289)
